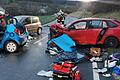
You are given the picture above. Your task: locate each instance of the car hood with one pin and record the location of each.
(57, 26)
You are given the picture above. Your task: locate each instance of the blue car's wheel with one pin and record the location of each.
(11, 46)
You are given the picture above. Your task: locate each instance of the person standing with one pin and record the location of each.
(61, 17)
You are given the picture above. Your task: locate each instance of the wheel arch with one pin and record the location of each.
(111, 37)
(38, 29)
(5, 44)
(10, 40)
(111, 41)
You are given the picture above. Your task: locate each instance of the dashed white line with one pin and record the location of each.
(40, 40)
(95, 74)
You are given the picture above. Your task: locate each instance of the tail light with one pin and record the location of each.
(17, 31)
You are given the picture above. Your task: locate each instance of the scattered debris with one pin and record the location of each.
(50, 79)
(95, 59)
(65, 49)
(95, 51)
(117, 77)
(116, 70)
(110, 63)
(31, 38)
(104, 56)
(45, 73)
(66, 70)
(103, 70)
(115, 56)
(107, 75)
(52, 52)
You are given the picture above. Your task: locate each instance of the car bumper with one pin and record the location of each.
(23, 39)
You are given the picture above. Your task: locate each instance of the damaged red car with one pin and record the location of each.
(90, 31)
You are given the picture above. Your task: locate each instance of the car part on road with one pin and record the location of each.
(45, 73)
(52, 51)
(66, 49)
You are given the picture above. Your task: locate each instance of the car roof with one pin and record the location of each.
(25, 16)
(95, 19)
(20, 17)
(90, 18)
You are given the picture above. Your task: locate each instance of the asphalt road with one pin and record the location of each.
(25, 64)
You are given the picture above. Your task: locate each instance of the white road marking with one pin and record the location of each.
(40, 40)
(95, 74)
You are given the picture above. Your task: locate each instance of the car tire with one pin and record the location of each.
(111, 42)
(11, 46)
(39, 31)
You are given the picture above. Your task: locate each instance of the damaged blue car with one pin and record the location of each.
(12, 35)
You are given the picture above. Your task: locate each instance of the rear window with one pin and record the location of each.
(28, 20)
(35, 19)
(111, 24)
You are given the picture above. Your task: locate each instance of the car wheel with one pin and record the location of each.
(39, 30)
(111, 42)
(11, 46)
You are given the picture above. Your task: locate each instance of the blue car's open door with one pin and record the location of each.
(64, 42)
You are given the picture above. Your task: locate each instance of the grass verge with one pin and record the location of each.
(46, 19)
